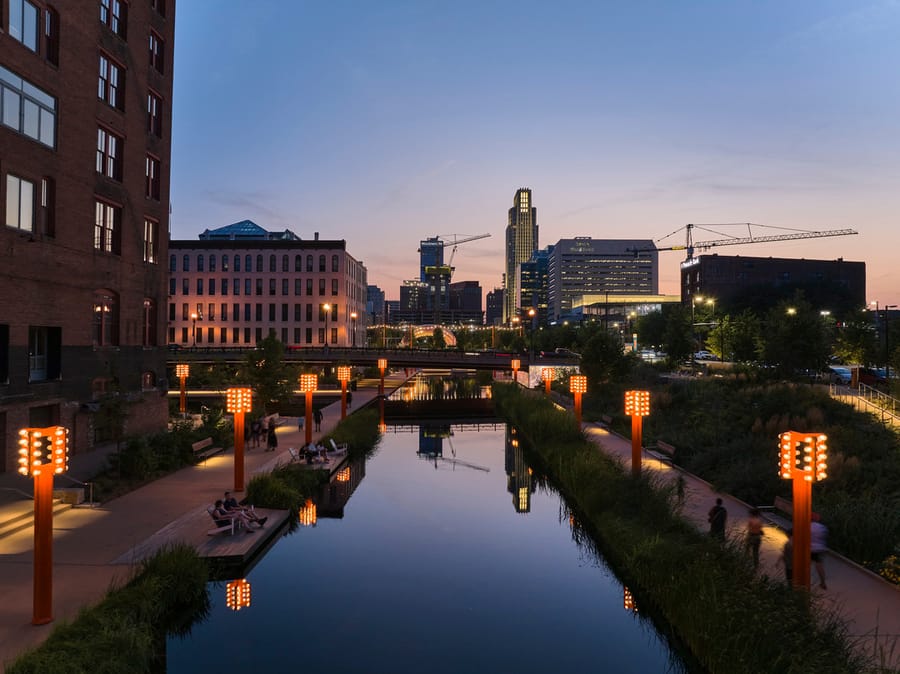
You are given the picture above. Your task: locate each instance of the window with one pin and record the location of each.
(172, 284)
(27, 109)
(309, 263)
(212, 262)
(284, 312)
(223, 312)
(334, 286)
(185, 286)
(173, 263)
(334, 335)
(157, 53)
(224, 286)
(151, 241)
(106, 318)
(237, 262)
(248, 264)
(309, 286)
(159, 6)
(186, 263)
(272, 286)
(113, 13)
(23, 23)
(258, 312)
(107, 227)
(212, 286)
(235, 312)
(154, 114)
(321, 335)
(271, 312)
(109, 154)
(321, 263)
(51, 35)
(47, 210)
(285, 263)
(111, 85)
(246, 335)
(185, 312)
(298, 263)
(259, 263)
(273, 265)
(201, 262)
(149, 323)
(296, 335)
(247, 311)
(236, 285)
(44, 353)
(285, 286)
(199, 286)
(259, 286)
(224, 263)
(248, 286)
(148, 381)
(334, 263)
(171, 311)
(309, 312)
(211, 312)
(309, 335)
(184, 335)
(298, 312)
(298, 286)
(321, 286)
(152, 179)
(19, 203)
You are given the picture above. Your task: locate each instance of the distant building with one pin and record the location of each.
(521, 243)
(84, 189)
(240, 283)
(465, 303)
(431, 254)
(391, 311)
(375, 305)
(494, 307)
(534, 282)
(586, 266)
(415, 303)
(836, 285)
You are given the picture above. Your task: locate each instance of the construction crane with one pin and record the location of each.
(436, 273)
(690, 245)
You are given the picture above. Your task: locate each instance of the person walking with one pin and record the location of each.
(317, 417)
(754, 534)
(718, 515)
(787, 557)
(818, 537)
(271, 439)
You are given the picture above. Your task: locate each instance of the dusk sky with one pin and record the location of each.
(384, 123)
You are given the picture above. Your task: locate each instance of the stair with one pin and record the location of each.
(17, 516)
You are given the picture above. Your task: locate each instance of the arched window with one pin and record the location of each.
(106, 318)
(149, 323)
(224, 263)
(285, 263)
(186, 263)
(248, 263)
(259, 263)
(148, 381)
(321, 263)
(237, 262)
(298, 263)
(334, 263)
(273, 264)
(309, 263)
(212, 262)
(200, 262)
(172, 263)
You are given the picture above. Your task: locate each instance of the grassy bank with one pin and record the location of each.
(125, 633)
(730, 620)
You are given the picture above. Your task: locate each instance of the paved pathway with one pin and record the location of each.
(90, 544)
(869, 605)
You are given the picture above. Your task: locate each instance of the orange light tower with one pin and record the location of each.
(803, 459)
(43, 453)
(577, 386)
(515, 364)
(182, 370)
(637, 405)
(308, 383)
(382, 366)
(343, 375)
(238, 401)
(307, 515)
(237, 594)
(547, 375)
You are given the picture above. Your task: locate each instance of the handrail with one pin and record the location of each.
(18, 491)
(872, 400)
(89, 485)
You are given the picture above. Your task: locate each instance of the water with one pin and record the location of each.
(431, 569)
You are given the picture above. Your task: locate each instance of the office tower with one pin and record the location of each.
(521, 242)
(86, 91)
(493, 314)
(533, 283)
(375, 305)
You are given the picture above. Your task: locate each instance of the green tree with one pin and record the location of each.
(678, 338)
(603, 359)
(795, 337)
(856, 340)
(742, 341)
(651, 329)
(437, 339)
(264, 369)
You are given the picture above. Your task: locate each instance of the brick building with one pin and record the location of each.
(85, 106)
(238, 284)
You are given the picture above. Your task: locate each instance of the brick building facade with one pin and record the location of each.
(85, 120)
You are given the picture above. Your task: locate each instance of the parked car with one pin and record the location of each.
(840, 375)
(705, 355)
(566, 353)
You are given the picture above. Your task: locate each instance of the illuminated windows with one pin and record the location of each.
(109, 154)
(107, 227)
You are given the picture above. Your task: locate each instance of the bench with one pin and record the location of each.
(222, 526)
(771, 513)
(203, 449)
(663, 451)
(606, 421)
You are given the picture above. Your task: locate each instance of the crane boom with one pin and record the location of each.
(456, 241)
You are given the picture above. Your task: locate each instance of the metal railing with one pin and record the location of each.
(869, 399)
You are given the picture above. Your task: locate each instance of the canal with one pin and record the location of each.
(450, 555)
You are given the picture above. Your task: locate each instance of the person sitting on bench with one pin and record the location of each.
(231, 505)
(239, 518)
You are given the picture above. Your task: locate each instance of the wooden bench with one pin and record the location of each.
(771, 513)
(222, 526)
(203, 449)
(663, 451)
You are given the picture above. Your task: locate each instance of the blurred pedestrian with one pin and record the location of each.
(271, 439)
(818, 537)
(787, 556)
(718, 515)
(754, 534)
(317, 417)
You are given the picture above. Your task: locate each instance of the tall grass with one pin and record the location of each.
(731, 620)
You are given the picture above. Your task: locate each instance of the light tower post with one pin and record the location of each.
(309, 383)
(238, 401)
(637, 405)
(578, 386)
(343, 375)
(182, 370)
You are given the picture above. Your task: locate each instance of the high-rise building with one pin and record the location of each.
(238, 284)
(431, 254)
(521, 242)
(533, 283)
(586, 266)
(375, 305)
(493, 314)
(85, 104)
(465, 303)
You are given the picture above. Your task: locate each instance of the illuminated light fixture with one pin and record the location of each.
(343, 375)
(578, 386)
(309, 382)
(637, 403)
(628, 600)
(514, 365)
(182, 371)
(547, 374)
(237, 594)
(307, 516)
(43, 451)
(343, 475)
(637, 406)
(382, 366)
(803, 459)
(238, 401)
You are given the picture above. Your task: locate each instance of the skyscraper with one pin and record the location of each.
(521, 243)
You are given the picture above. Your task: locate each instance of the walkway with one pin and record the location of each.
(88, 542)
(869, 605)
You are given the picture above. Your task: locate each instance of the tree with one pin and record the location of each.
(678, 339)
(795, 337)
(603, 359)
(651, 329)
(856, 340)
(265, 371)
(743, 339)
(437, 339)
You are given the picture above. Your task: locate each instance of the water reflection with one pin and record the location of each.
(334, 496)
(237, 594)
(519, 476)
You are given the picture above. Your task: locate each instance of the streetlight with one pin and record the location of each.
(547, 375)
(637, 405)
(194, 328)
(382, 366)
(343, 375)
(326, 308)
(238, 401)
(531, 315)
(353, 328)
(802, 459)
(577, 386)
(43, 453)
(181, 371)
(308, 384)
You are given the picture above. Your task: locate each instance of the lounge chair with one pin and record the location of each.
(295, 455)
(338, 449)
(222, 525)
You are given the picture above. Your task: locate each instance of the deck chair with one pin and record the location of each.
(338, 449)
(295, 455)
(222, 526)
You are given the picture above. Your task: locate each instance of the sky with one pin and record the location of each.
(384, 123)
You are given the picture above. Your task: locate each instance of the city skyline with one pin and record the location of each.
(387, 125)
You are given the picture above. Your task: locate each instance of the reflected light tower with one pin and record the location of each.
(382, 366)
(238, 401)
(237, 594)
(309, 383)
(637, 405)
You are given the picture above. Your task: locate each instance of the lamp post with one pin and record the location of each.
(531, 314)
(547, 374)
(194, 328)
(802, 460)
(308, 384)
(43, 453)
(515, 364)
(238, 401)
(182, 370)
(343, 375)
(382, 366)
(637, 405)
(577, 386)
(237, 594)
(353, 328)
(326, 308)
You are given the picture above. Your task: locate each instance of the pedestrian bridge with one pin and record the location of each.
(368, 357)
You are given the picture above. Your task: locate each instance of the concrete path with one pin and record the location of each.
(869, 605)
(88, 542)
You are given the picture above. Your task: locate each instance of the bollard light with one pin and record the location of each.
(547, 374)
(43, 453)
(578, 386)
(239, 401)
(343, 375)
(802, 458)
(637, 406)
(182, 370)
(309, 382)
(237, 594)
